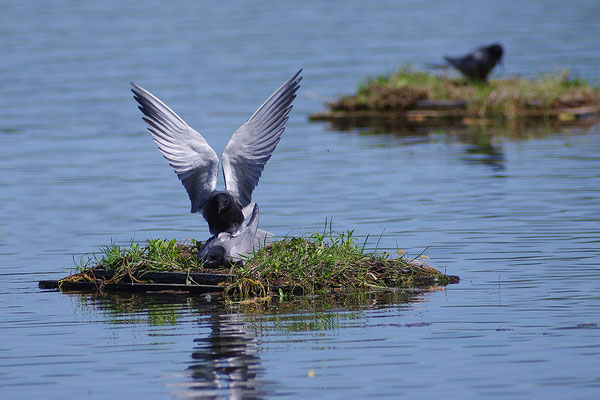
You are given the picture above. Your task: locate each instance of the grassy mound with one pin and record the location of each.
(320, 263)
(510, 98)
(328, 262)
(155, 255)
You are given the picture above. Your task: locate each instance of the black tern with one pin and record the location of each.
(196, 163)
(225, 248)
(477, 64)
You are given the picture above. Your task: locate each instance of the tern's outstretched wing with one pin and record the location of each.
(251, 145)
(193, 160)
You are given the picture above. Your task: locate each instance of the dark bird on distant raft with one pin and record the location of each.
(196, 163)
(478, 64)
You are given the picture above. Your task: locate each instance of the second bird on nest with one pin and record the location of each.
(479, 63)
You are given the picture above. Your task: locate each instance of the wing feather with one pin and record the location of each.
(193, 160)
(252, 144)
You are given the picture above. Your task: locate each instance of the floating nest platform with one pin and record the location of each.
(318, 264)
(101, 281)
(417, 97)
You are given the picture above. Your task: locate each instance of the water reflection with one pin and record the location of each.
(226, 363)
(228, 360)
(516, 130)
(402, 128)
(313, 314)
(481, 148)
(136, 308)
(482, 144)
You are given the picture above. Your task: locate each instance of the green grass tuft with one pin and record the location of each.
(325, 263)
(155, 255)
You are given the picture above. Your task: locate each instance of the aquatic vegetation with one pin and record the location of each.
(324, 262)
(155, 255)
(498, 99)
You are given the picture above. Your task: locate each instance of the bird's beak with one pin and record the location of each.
(221, 207)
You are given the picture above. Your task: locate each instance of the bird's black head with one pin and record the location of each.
(496, 51)
(223, 202)
(215, 256)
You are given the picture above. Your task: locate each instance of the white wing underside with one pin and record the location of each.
(196, 163)
(193, 160)
(252, 144)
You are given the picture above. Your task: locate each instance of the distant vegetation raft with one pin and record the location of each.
(322, 263)
(419, 96)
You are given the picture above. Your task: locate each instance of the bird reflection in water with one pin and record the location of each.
(481, 149)
(226, 364)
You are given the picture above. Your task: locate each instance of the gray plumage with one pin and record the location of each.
(196, 163)
(478, 64)
(225, 248)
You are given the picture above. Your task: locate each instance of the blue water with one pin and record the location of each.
(516, 216)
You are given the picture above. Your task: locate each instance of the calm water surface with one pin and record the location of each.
(517, 216)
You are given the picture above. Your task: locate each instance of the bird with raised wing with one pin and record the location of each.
(243, 160)
(479, 63)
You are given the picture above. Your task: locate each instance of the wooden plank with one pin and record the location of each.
(437, 110)
(421, 115)
(169, 277)
(85, 286)
(575, 111)
(151, 282)
(440, 104)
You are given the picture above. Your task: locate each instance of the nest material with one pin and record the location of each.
(380, 98)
